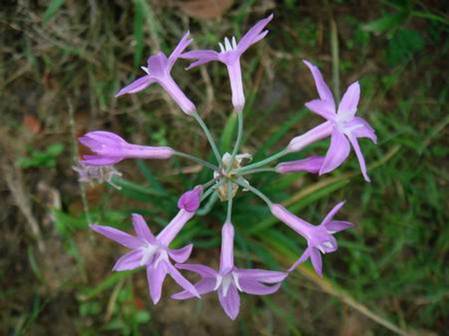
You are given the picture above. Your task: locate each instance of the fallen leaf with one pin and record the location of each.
(205, 9)
(32, 124)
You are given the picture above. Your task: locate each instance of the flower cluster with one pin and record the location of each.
(154, 252)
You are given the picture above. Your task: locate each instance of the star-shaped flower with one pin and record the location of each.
(230, 280)
(342, 125)
(319, 237)
(153, 252)
(229, 54)
(158, 71)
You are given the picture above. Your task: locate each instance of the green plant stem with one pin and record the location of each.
(209, 136)
(229, 212)
(238, 141)
(209, 183)
(335, 60)
(196, 159)
(259, 170)
(210, 203)
(255, 191)
(263, 162)
(208, 192)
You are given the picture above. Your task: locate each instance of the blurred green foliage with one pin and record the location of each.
(394, 261)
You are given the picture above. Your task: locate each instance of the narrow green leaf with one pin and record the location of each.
(228, 132)
(386, 23)
(138, 32)
(52, 9)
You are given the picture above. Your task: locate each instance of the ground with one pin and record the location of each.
(61, 63)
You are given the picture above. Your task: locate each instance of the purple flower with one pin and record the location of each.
(152, 252)
(158, 71)
(342, 125)
(190, 200)
(319, 238)
(229, 280)
(109, 149)
(230, 54)
(311, 164)
(96, 174)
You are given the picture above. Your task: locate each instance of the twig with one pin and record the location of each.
(75, 156)
(15, 185)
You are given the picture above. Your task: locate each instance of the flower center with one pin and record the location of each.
(97, 174)
(344, 126)
(228, 45)
(225, 281)
(227, 173)
(326, 247)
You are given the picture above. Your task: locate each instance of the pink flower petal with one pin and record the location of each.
(181, 281)
(256, 288)
(349, 102)
(254, 34)
(202, 270)
(204, 286)
(182, 45)
(182, 254)
(323, 90)
(317, 261)
(323, 108)
(261, 275)
(129, 261)
(332, 213)
(118, 236)
(158, 65)
(315, 134)
(304, 257)
(362, 129)
(230, 302)
(337, 226)
(358, 153)
(141, 228)
(136, 86)
(202, 56)
(337, 153)
(156, 277)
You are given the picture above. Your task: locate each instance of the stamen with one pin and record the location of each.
(227, 44)
(218, 283)
(236, 281)
(227, 280)
(145, 69)
(234, 43)
(222, 48)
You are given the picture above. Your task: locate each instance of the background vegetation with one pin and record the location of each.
(61, 63)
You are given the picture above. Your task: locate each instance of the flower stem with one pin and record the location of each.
(205, 209)
(259, 170)
(229, 192)
(255, 191)
(209, 136)
(263, 162)
(238, 141)
(207, 193)
(196, 159)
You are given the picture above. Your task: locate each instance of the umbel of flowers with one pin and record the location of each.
(153, 253)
